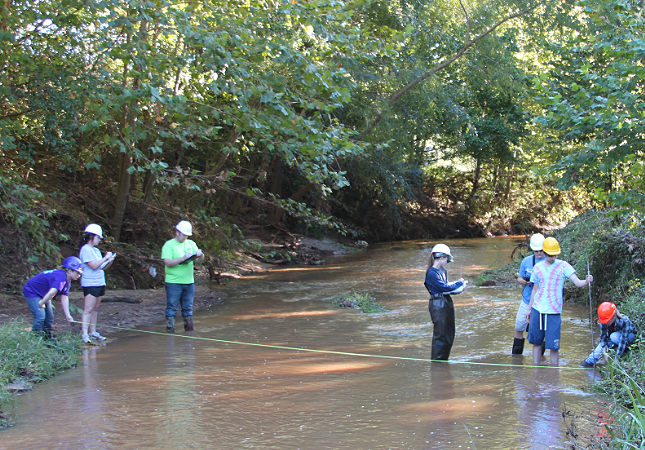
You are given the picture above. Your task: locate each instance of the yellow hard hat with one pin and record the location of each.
(551, 246)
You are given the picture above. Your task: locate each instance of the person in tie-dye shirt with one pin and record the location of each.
(545, 308)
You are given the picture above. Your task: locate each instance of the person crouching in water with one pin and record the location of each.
(42, 288)
(545, 309)
(616, 331)
(442, 311)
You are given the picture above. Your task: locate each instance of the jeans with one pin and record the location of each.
(43, 317)
(179, 293)
(595, 356)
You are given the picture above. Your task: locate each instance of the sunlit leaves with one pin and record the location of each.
(145, 77)
(594, 98)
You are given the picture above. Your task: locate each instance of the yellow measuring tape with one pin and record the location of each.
(334, 352)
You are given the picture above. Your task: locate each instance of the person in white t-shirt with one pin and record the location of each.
(93, 281)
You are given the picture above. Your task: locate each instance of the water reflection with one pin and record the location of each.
(166, 392)
(91, 400)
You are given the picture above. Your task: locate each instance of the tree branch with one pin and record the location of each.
(469, 43)
(16, 114)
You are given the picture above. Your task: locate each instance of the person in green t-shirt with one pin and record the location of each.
(178, 255)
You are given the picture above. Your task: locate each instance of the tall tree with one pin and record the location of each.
(181, 89)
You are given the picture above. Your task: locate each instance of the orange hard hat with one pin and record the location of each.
(606, 311)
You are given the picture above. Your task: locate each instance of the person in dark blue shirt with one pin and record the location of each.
(442, 310)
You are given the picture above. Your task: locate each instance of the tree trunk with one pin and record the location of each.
(122, 195)
(476, 176)
(509, 183)
(238, 199)
(232, 137)
(468, 43)
(125, 177)
(148, 185)
(275, 176)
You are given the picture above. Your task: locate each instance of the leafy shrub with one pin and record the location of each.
(613, 246)
(22, 206)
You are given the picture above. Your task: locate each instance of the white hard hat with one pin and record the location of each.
(537, 241)
(94, 229)
(443, 249)
(184, 227)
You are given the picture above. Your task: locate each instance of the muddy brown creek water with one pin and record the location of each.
(208, 389)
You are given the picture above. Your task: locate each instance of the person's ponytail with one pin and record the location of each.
(85, 239)
(430, 261)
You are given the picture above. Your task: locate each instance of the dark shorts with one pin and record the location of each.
(545, 327)
(94, 291)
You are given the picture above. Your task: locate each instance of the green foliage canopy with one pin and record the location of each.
(170, 86)
(593, 95)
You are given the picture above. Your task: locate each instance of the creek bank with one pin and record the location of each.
(131, 308)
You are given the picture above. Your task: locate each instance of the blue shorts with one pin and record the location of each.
(545, 327)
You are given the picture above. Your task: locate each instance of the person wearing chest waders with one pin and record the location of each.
(442, 311)
(524, 279)
(545, 308)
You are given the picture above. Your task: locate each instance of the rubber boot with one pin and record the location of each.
(170, 324)
(518, 346)
(188, 323)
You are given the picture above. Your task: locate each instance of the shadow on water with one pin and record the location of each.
(370, 385)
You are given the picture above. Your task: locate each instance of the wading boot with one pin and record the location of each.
(188, 323)
(170, 324)
(518, 346)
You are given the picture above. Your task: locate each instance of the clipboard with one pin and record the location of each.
(459, 290)
(189, 259)
(107, 262)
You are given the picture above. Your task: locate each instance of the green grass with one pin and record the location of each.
(25, 355)
(622, 381)
(364, 302)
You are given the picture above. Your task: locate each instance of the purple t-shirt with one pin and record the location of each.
(39, 285)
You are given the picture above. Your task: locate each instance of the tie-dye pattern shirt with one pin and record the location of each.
(550, 280)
